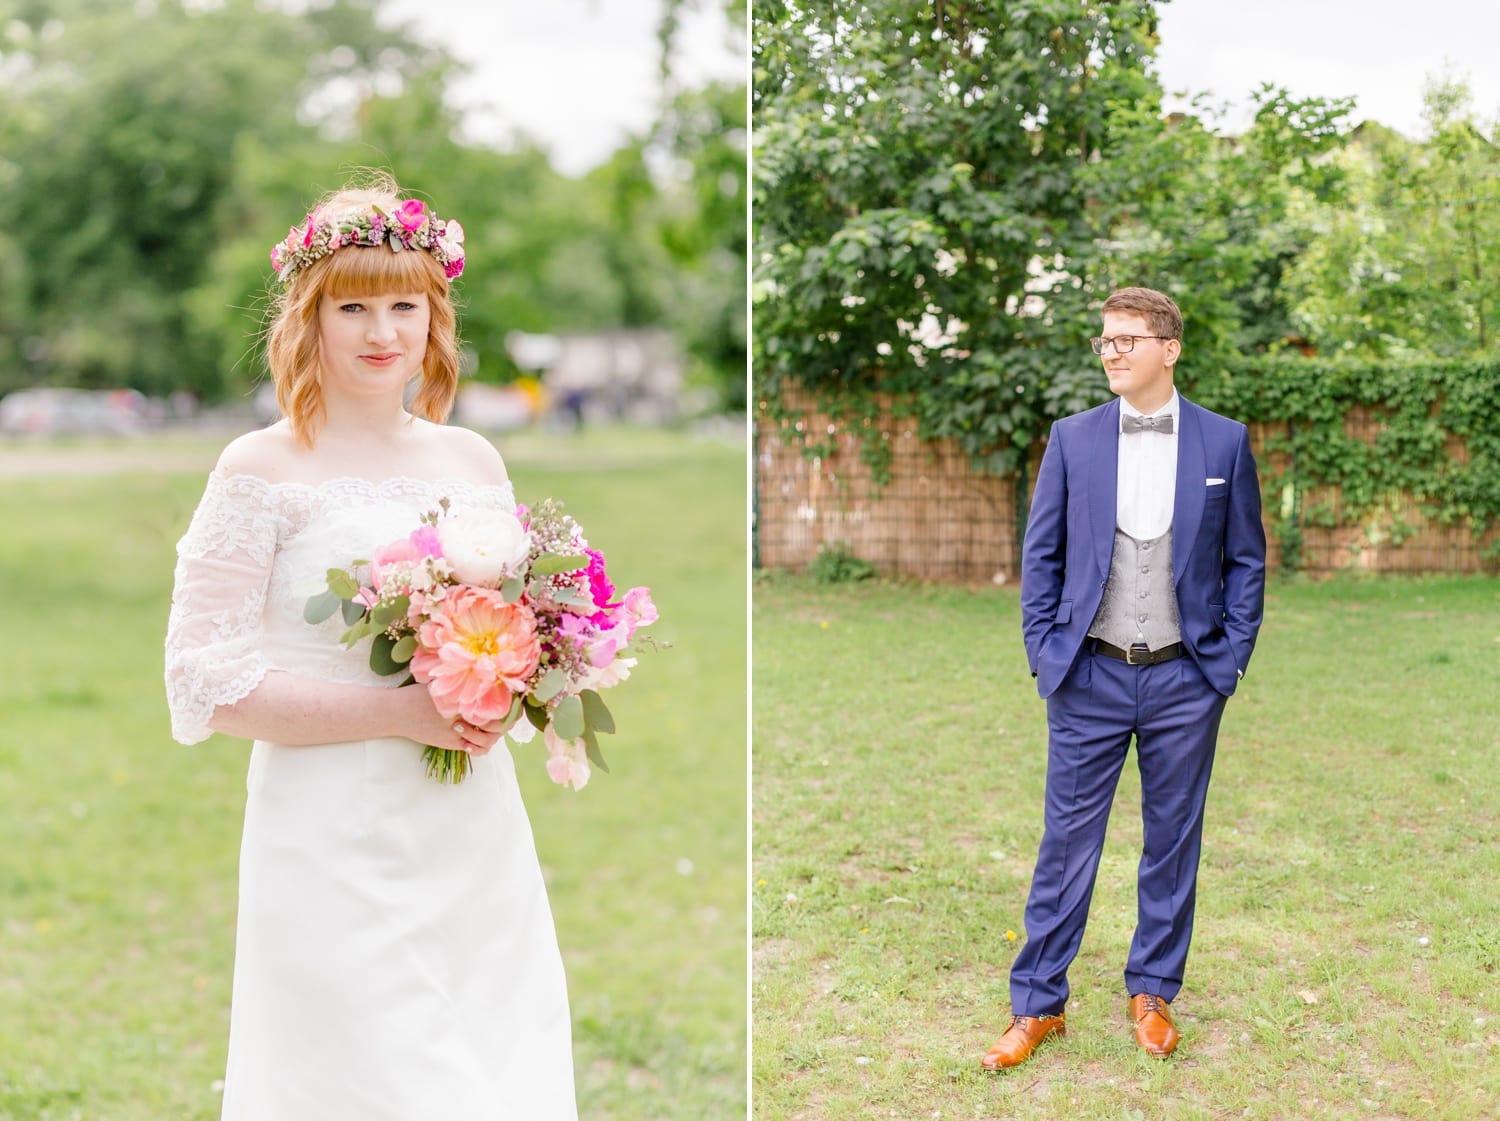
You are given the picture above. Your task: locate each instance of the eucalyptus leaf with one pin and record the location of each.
(353, 610)
(567, 718)
(405, 647)
(553, 564)
(320, 607)
(387, 613)
(381, 660)
(550, 685)
(513, 589)
(355, 633)
(537, 714)
(572, 597)
(596, 713)
(341, 584)
(596, 757)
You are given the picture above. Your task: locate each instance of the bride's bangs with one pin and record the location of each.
(374, 270)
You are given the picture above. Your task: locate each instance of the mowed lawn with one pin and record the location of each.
(1348, 926)
(118, 847)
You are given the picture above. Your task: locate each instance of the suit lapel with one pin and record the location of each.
(1104, 484)
(1192, 467)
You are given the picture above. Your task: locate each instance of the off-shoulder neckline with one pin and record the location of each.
(356, 481)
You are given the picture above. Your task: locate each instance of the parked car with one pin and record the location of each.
(49, 411)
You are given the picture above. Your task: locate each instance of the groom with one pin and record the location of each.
(1142, 580)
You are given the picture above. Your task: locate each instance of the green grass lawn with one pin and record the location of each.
(118, 847)
(1348, 929)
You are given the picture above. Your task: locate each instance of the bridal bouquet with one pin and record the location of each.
(503, 617)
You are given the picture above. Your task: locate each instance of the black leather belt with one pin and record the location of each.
(1137, 655)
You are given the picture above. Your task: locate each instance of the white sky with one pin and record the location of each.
(578, 76)
(1379, 51)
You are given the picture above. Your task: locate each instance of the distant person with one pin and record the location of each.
(1142, 582)
(395, 954)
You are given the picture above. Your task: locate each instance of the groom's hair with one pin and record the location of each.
(1158, 309)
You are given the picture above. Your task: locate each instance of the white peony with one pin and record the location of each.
(484, 546)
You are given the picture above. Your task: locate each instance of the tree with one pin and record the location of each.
(124, 125)
(927, 178)
(1409, 264)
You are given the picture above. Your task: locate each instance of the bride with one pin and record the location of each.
(395, 953)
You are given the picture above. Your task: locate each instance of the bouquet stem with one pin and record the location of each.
(447, 766)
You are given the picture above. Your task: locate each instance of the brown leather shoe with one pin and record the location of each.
(1023, 1037)
(1155, 1033)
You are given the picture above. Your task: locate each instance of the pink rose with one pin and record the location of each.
(398, 555)
(411, 214)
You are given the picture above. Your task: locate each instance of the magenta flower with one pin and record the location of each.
(600, 588)
(411, 214)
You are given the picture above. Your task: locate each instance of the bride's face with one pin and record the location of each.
(372, 344)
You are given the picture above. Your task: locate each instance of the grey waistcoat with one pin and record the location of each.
(1139, 604)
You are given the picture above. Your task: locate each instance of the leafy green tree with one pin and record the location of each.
(926, 182)
(1409, 265)
(1217, 221)
(158, 150)
(124, 125)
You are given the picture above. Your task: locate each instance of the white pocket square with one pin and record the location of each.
(1216, 482)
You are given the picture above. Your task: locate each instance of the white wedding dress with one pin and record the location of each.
(395, 956)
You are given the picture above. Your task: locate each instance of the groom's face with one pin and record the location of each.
(1145, 372)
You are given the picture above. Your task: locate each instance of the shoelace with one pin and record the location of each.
(1025, 1022)
(1152, 1003)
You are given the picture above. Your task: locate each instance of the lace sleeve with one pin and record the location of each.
(214, 647)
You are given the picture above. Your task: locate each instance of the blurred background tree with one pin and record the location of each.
(158, 149)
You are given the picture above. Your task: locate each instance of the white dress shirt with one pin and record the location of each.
(1148, 476)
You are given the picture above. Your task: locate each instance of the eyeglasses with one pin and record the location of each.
(1123, 344)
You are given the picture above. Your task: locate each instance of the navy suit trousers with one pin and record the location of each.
(1173, 714)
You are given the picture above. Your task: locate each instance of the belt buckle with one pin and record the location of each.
(1129, 656)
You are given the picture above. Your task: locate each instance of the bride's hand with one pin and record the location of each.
(428, 726)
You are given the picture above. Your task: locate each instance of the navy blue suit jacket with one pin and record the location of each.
(1218, 543)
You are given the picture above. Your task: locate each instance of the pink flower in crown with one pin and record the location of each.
(312, 224)
(475, 653)
(411, 214)
(450, 243)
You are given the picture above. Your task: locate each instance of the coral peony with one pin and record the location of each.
(475, 653)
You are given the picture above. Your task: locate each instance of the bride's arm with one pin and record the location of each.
(217, 676)
(286, 708)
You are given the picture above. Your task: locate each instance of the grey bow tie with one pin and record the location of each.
(1163, 423)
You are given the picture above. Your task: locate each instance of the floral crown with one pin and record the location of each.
(411, 225)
